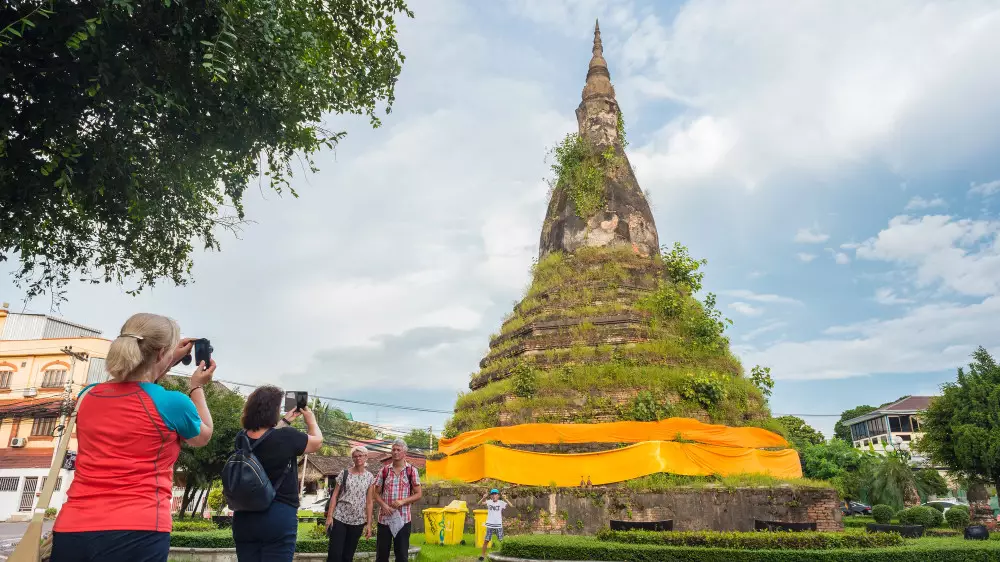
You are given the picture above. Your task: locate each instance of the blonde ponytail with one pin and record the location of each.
(141, 339)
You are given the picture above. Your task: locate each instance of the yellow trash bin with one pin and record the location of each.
(479, 518)
(454, 522)
(434, 525)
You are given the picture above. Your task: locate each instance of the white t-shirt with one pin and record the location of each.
(493, 517)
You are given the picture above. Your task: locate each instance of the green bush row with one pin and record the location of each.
(223, 538)
(754, 540)
(189, 525)
(557, 547)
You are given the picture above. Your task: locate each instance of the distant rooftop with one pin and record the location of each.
(33, 326)
(908, 405)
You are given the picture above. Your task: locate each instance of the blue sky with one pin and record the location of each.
(834, 162)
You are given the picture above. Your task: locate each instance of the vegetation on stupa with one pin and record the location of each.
(580, 169)
(603, 335)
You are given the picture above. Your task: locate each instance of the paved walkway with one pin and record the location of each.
(10, 534)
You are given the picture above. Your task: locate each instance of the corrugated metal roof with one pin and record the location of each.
(39, 326)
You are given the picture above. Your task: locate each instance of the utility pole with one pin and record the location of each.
(430, 439)
(67, 402)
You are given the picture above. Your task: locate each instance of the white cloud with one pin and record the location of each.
(919, 203)
(929, 338)
(746, 309)
(963, 255)
(804, 257)
(759, 297)
(766, 328)
(984, 189)
(810, 236)
(768, 89)
(840, 258)
(887, 296)
(958, 255)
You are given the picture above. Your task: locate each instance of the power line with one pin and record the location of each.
(335, 399)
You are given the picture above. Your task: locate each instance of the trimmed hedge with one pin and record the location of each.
(856, 522)
(568, 547)
(807, 540)
(223, 538)
(189, 525)
(882, 513)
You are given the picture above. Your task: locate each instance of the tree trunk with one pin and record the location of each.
(979, 505)
(194, 507)
(186, 498)
(208, 492)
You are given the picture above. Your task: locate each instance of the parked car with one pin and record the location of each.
(946, 504)
(855, 508)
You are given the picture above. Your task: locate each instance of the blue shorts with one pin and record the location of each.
(493, 532)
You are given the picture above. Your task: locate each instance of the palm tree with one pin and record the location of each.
(892, 482)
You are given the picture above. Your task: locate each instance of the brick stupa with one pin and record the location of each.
(606, 331)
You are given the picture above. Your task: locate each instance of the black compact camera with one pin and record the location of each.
(296, 399)
(202, 352)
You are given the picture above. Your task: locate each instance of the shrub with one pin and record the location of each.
(920, 515)
(223, 538)
(936, 506)
(938, 518)
(194, 525)
(50, 513)
(958, 518)
(567, 547)
(754, 540)
(960, 507)
(882, 513)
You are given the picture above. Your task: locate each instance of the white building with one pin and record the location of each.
(42, 361)
(897, 424)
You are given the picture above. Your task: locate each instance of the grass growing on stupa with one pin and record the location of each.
(668, 357)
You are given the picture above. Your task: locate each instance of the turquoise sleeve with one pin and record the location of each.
(176, 410)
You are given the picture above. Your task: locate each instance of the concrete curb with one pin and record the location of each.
(190, 554)
(501, 558)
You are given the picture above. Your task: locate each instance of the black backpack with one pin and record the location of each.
(244, 481)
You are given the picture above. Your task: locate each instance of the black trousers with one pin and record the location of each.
(400, 544)
(111, 546)
(343, 541)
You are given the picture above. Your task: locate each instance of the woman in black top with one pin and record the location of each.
(269, 535)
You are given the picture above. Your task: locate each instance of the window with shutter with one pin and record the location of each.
(54, 378)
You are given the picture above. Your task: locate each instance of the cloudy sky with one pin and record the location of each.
(834, 161)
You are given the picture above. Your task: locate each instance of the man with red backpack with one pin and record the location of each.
(398, 486)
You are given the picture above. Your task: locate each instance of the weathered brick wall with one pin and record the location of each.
(581, 511)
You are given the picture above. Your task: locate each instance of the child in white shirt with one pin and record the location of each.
(494, 518)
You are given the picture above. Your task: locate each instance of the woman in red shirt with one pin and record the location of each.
(129, 431)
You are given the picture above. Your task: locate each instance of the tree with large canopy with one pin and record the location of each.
(129, 130)
(841, 430)
(962, 426)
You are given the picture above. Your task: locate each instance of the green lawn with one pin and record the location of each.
(438, 553)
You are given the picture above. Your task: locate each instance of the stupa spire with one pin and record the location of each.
(598, 77)
(623, 218)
